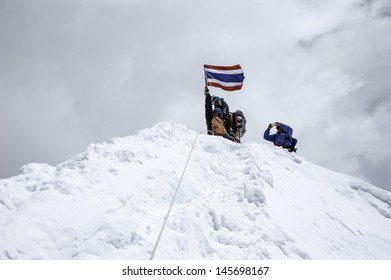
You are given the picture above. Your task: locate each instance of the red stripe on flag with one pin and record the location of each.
(234, 67)
(224, 87)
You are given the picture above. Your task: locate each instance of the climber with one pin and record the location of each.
(218, 125)
(283, 138)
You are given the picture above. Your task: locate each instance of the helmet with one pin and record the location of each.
(218, 111)
(217, 101)
(239, 113)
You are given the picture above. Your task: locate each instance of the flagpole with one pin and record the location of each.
(206, 82)
(208, 107)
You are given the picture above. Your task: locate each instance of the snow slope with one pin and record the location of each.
(236, 201)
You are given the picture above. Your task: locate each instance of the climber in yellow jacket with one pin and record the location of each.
(218, 127)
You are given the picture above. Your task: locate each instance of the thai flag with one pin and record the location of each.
(225, 77)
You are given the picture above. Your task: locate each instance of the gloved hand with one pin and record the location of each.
(206, 91)
(270, 125)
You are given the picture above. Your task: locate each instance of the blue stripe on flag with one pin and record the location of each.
(226, 78)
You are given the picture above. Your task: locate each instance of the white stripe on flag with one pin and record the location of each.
(238, 71)
(223, 83)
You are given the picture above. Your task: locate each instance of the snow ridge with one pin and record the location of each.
(236, 201)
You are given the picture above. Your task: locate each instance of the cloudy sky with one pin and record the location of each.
(79, 72)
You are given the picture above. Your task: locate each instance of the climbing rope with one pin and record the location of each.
(173, 199)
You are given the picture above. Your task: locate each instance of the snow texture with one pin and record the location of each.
(236, 201)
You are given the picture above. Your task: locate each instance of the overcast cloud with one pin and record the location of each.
(79, 72)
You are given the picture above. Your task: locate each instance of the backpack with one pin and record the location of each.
(293, 145)
(219, 102)
(238, 124)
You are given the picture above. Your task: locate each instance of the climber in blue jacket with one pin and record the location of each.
(283, 138)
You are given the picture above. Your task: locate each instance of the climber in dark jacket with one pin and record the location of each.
(219, 102)
(283, 137)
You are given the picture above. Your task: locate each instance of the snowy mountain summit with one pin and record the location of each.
(236, 201)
